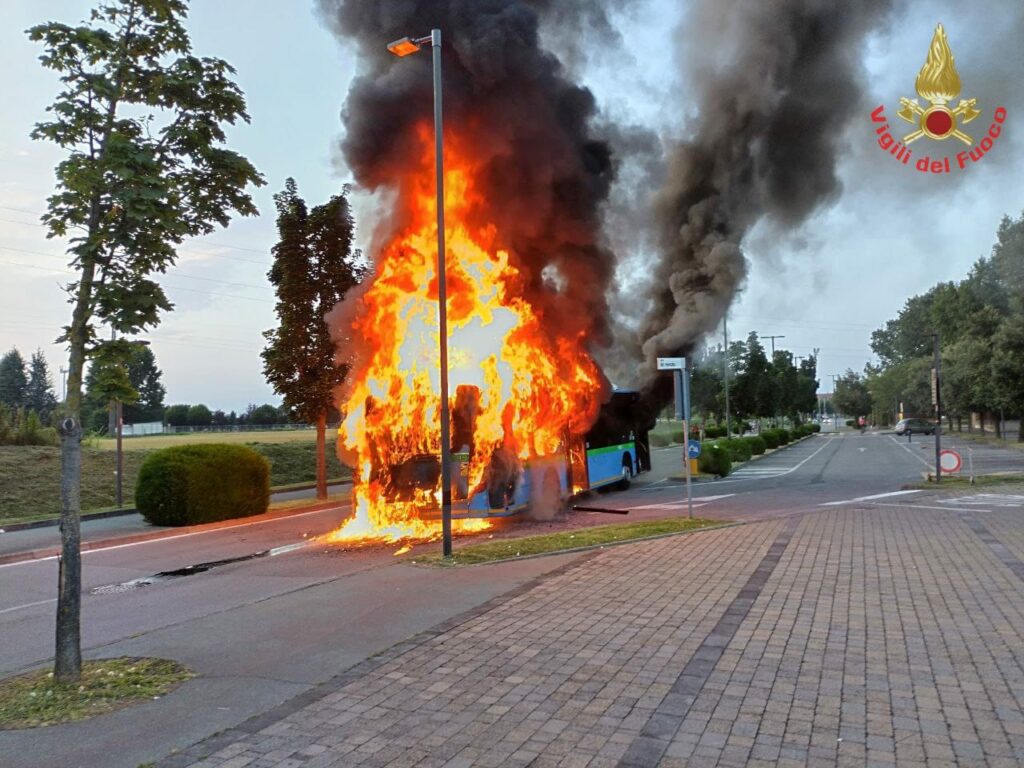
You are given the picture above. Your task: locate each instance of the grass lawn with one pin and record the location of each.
(34, 699)
(505, 549)
(30, 475)
(148, 442)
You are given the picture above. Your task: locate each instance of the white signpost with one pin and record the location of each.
(682, 387)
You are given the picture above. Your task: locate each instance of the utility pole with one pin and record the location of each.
(937, 397)
(773, 338)
(725, 331)
(835, 412)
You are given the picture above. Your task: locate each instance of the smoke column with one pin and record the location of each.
(775, 85)
(509, 104)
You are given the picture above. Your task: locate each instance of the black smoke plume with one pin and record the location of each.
(543, 174)
(775, 84)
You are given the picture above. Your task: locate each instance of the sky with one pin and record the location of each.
(891, 233)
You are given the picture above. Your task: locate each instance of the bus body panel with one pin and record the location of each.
(604, 465)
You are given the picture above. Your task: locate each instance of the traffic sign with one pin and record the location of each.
(671, 363)
(693, 449)
(950, 462)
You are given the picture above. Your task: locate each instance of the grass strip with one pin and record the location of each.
(505, 549)
(34, 699)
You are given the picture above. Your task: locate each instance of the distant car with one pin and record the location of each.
(915, 427)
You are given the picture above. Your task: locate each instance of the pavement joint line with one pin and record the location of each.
(999, 549)
(206, 747)
(648, 748)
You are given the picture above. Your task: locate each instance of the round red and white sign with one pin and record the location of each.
(950, 461)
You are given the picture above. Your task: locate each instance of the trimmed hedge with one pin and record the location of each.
(785, 437)
(738, 448)
(757, 444)
(771, 437)
(714, 460)
(677, 436)
(658, 440)
(814, 427)
(190, 484)
(712, 432)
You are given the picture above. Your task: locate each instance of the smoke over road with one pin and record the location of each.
(773, 86)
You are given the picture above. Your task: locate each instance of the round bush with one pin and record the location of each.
(756, 443)
(658, 440)
(678, 436)
(714, 460)
(784, 437)
(190, 484)
(814, 427)
(771, 438)
(851, 422)
(738, 448)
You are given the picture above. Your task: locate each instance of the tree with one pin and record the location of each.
(263, 415)
(39, 396)
(852, 396)
(1008, 366)
(313, 270)
(145, 378)
(176, 415)
(141, 121)
(13, 379)
(199, 416)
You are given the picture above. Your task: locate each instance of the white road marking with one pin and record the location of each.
(925, 506)
(675, 504)
(904, 447)
(29, 605)
(866, 498)
(995, 499)
(183, 535)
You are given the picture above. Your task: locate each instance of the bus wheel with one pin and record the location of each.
(627, 473)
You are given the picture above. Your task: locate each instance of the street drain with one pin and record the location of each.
(189, 570)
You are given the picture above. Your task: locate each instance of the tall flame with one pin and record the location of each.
(533, 386)
(938, 80)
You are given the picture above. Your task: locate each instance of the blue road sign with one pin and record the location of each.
(693, 449)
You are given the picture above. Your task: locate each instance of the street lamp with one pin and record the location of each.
(404, 47)
(835, 413)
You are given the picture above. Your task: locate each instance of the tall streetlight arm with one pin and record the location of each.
(404, 47)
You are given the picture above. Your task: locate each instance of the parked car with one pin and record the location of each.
(915, 427)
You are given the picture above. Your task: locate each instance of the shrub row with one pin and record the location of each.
(190, 484)
(715, 459)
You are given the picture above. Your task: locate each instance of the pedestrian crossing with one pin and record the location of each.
(761, 472)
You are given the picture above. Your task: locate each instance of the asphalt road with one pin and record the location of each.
(262, 630)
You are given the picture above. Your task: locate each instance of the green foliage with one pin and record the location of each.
(739, 449)
(756, 443)
(677, 436)
(852, 395)
(314, 268)
(199, 416)
(13, 379)
(771, 437)
(192, 484)
(712, 432)
(785, 438)
(21, 427)
(714, 459)
(39, 395)
(176, 415)
(658, 440)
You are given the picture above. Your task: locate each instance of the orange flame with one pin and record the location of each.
(535, 385)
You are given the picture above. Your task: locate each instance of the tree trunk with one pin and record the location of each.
(67, 666)
(321, 456)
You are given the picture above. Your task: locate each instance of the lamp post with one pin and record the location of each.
(835, 413)
(404, 47)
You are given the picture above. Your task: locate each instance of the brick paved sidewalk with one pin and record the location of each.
(853, 636)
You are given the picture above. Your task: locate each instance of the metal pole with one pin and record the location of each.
(938, 409)
(442, 305)
(725, 331)
(119, 415)
(686, 435)
(677, 378)
(835, 413)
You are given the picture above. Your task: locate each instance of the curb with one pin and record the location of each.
(163, 533)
